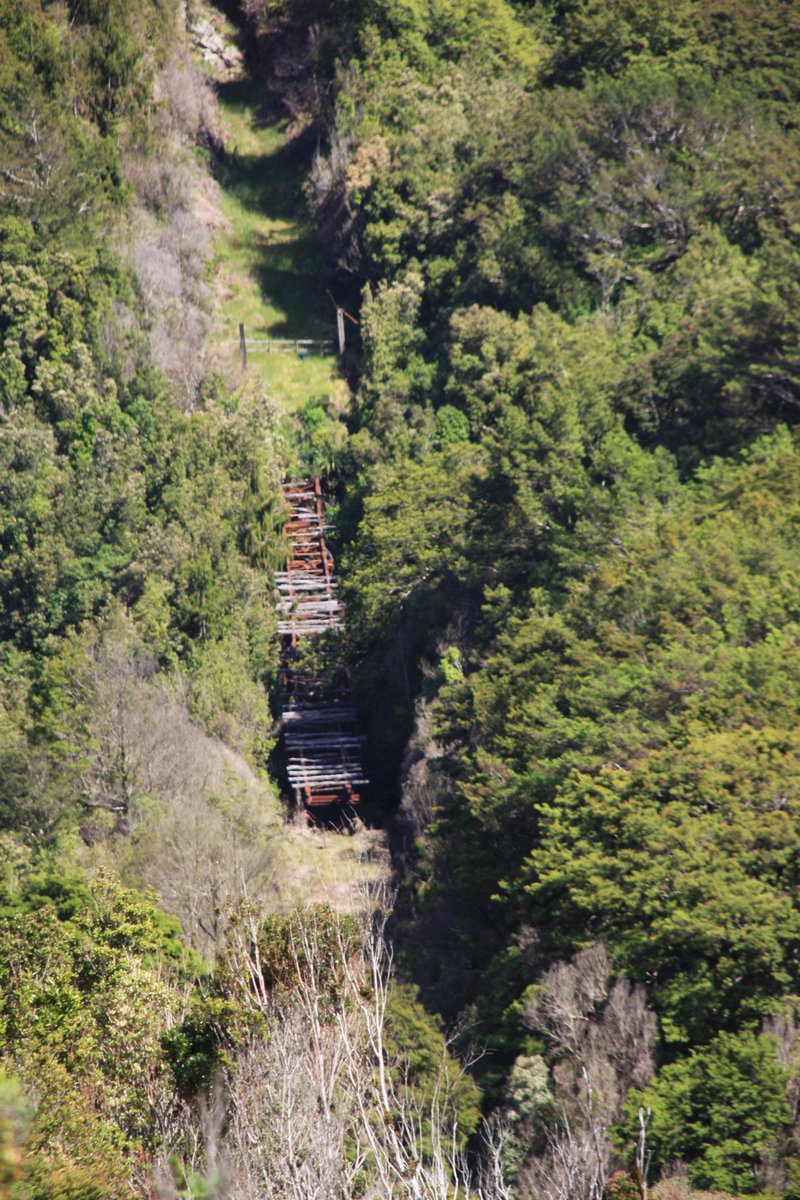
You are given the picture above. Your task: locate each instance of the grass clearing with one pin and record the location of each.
(318, 864)
(271, 274)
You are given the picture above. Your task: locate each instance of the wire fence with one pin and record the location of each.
(290, 345)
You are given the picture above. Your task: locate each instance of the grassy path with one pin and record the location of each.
(272, 275)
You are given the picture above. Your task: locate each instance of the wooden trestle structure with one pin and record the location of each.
(322, 742)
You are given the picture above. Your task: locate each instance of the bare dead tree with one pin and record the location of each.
(203, 854)
(113, 678)
(784, 1029)
(569, 993)
(643, 1156)
(601, 1041)
(328, 193)
(575, 1166)
(319, 1107)
(625, 1034)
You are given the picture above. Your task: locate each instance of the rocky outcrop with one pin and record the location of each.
(212, 45)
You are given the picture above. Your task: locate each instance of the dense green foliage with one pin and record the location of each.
(570, 521)
(134, 533)
(83, 1003)
(719, 1109)
(127, 526)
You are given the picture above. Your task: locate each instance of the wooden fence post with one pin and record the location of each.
(242, 346)
(340, 329)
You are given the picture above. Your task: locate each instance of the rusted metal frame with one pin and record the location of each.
(324, 763)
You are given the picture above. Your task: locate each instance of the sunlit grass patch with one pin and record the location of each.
(289, 379)
(271, 274)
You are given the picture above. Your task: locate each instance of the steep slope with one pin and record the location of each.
(570, 493)
(270, 275)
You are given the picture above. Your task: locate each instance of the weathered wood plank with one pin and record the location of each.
(323, 745)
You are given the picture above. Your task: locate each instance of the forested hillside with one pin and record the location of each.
(136, 623)
(567, 485)
(158, 994)
(570, 519)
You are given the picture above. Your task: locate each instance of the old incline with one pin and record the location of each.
(322, 743)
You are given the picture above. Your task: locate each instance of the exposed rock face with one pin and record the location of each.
(212, 45)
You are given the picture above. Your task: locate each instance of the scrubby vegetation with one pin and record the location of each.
(570, 528)
(140, 520)
(567, 480)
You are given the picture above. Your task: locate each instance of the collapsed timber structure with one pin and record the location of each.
(322, 742)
